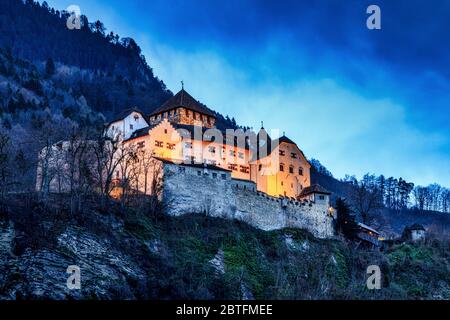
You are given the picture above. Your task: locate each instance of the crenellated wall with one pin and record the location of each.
(190, 189)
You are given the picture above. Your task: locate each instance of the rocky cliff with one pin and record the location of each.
(128, 252)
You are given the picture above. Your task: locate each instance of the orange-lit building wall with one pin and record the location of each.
(285, 172)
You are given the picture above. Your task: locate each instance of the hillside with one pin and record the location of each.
(109, 73)
(390, 222)
(127, 254)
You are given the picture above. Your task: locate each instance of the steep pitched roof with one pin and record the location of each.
(286, 140)
(184, 99)
(315, 188)
(416, 226)
(365, 226)
(123, 114)
(140, 132)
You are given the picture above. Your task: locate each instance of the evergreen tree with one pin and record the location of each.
(49, 68)
(345, 222)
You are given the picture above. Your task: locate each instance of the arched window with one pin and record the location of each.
(300, 171)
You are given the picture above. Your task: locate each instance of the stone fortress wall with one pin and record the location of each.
(193, 189)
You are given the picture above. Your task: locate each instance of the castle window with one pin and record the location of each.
(212, 149)
(182, 169)
(300, 171)
(188, 113)
(199, 173)
(241, 155)
(244, 169)
(141, 144)
(291, 169)
(170, 146)
(260, 167)
(214, 175)
(293, 155)
(188, 145)
(136, 117)
(224, 176)
(322, 197)
(159, 144)
(281, 152)
(282, 183)
(113, 128)
(165, 131)
(232, 166)
(232, 153)
(131, 127)
(282, 167)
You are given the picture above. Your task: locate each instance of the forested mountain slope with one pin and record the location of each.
(108, 71)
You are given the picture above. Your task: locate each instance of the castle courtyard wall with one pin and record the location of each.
(188, 189)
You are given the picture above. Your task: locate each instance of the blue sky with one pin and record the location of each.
(358, 100)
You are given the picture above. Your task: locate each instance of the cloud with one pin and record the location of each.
(348, 132)
(358, 100)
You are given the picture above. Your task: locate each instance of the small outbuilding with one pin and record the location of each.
(414, 233)
(315, 193)
(368, 235)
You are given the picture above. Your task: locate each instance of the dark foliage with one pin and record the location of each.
(110, 72)
(345, 222)
(174, 255)
(49, 68)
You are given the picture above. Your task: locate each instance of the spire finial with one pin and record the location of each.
(182, 85)
(262, 124)
(284, 133)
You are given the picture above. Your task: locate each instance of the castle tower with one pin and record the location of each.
(182, 108)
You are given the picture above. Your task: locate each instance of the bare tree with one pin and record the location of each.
(420, 196)
(366, 197)
(4, 165)
(77, 167)
(108, 155)
(433, 198)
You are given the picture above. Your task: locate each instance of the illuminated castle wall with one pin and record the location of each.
(183, 130)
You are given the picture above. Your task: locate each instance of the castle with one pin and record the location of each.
(245, 175)
(183, 130)
(228, 173)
